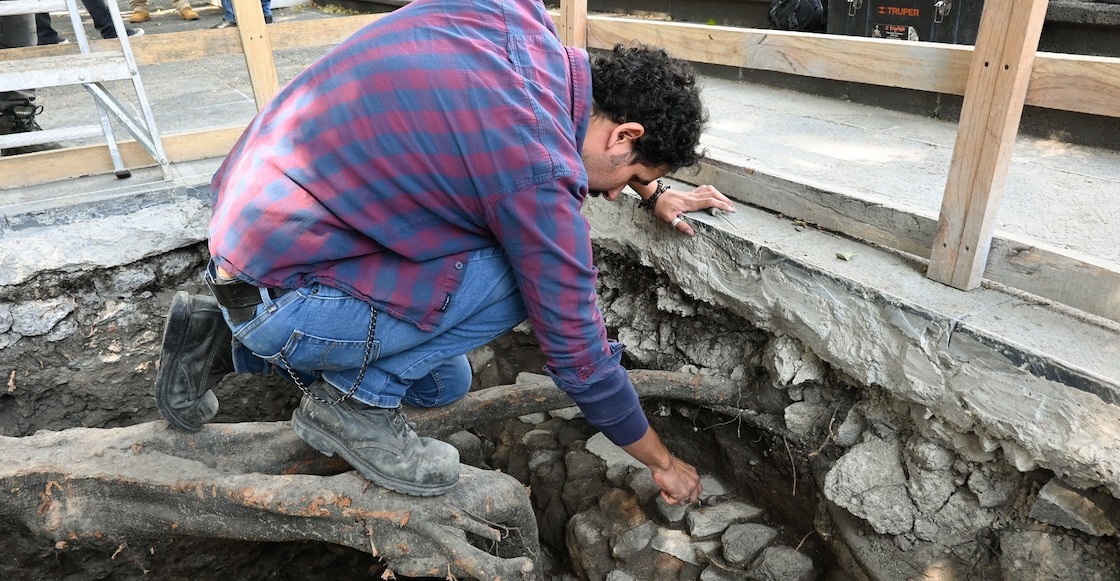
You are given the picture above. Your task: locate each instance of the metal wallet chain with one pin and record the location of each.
(361, 372)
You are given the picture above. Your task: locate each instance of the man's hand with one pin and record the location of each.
(680, 484)
(678, 480)
(673, 203)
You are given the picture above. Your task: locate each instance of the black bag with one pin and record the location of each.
(800, 15)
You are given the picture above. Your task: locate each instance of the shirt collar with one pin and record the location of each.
(580, 66)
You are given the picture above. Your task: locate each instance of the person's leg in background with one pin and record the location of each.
(140, 12)
(230, 19)
(98, 12)
(103, 19)
(44, 32)
(185, 10)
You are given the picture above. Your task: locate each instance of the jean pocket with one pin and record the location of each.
(310, 353)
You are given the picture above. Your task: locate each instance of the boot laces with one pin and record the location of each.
(401, 425)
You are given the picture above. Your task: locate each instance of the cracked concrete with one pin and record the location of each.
(1025, 377)
(980, 397)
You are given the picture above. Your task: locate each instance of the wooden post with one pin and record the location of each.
(993, 105)
(258, 50)
(573, 23)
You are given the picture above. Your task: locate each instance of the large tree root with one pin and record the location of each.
(536, 393)
(258, 481)
(148, 481)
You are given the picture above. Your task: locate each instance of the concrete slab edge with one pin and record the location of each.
(1017, 374)
(105, 232)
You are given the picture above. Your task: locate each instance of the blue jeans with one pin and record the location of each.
(323, 332)
(266, 8)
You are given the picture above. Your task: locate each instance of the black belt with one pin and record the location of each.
(241, 298)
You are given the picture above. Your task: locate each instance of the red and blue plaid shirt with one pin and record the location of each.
(445, 127)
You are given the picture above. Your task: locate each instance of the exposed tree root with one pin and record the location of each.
(537, 394)
(258, 481)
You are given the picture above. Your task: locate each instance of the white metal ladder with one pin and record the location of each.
(91, 70)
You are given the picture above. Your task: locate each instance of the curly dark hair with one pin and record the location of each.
(645, 85)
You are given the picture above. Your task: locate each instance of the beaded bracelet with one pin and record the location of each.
(649, 202)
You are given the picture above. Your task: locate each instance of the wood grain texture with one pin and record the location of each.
(993, 105)
(258, 50)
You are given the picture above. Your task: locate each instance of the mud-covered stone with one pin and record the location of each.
(870, 482)
(781, 564)
(743, 542)
(713, 520)
(1061, 505)
(627, 544)
(1053, 556)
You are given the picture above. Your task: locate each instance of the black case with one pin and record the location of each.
(949, 21)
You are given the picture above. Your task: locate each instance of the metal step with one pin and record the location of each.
(71, 69)
(50, 135)
(11, 7)
(91, 70)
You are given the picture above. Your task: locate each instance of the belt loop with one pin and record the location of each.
(211, 271)
(266, 298)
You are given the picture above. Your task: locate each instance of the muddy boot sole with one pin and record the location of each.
(183, 418)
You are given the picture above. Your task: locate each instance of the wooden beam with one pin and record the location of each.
(1084, 84)
(153, 49)
(258, 50)
(924, 66)
(993, 106)
(75, 162)
(573, 23)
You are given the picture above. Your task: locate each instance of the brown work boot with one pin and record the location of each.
(188, 13)
(141, 14)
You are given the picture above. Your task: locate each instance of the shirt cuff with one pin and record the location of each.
(609, 401)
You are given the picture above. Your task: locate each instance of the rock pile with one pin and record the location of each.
(605, 508)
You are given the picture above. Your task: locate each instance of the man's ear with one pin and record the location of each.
(625, 134)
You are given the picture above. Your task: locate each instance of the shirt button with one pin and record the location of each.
(458, 266)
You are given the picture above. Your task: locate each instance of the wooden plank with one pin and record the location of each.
(1061, 275)
(993, 105)
(1057, 274)
(818, 204)
(191, 45)
(573, 23)
(258, 50)
(152, 49)
(75, 162)
(1084, 84)
(924, 66)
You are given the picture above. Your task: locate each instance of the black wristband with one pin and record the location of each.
(651, 201)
